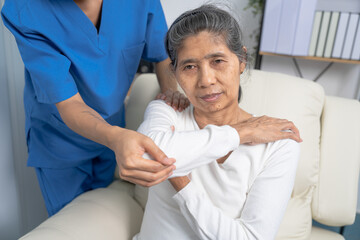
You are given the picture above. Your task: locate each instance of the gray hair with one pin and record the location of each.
(205, 18)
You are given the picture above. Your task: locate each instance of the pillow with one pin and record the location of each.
(297, 220)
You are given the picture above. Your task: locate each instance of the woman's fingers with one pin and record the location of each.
(291, 126)
(291, 135)
(266, 129)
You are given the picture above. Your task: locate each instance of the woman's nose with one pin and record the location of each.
(206, 77)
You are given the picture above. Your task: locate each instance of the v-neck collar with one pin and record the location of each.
(82, 20)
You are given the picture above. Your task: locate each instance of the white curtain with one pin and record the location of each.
(22, 207)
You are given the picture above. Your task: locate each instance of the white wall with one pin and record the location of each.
(173, 9)
(22, 207)
(9, 207)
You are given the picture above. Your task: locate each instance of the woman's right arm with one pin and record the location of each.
(191, 149)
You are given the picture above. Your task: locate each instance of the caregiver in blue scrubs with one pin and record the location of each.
(80, 58)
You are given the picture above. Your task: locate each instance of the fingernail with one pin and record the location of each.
(170, 174)
(173, 167)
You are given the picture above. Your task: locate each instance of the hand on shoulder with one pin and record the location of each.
(264, 129)
(175, 99)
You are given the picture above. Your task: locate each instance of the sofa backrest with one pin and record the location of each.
(335, 199)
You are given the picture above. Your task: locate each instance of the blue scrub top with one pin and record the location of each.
(64, 54)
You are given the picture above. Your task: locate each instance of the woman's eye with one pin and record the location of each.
(189, 67)
(217, 61)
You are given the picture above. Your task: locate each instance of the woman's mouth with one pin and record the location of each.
(211, 97)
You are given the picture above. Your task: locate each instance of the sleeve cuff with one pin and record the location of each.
(188, 192)
(234, 138)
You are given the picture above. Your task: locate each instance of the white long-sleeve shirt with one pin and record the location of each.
(243, 198)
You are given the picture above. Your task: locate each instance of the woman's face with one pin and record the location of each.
(208, 72)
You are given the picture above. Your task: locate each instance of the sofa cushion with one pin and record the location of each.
(141, 195)
(322, 234)
(104, 213)
(297, 221)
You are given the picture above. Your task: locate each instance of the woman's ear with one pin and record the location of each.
(242, 67)
(172, 70)
(243, 63)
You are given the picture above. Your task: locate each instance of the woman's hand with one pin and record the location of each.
(266, 129)
(129, 147)
(179, 182)
(176, 100)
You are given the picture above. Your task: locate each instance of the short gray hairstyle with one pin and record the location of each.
(205, 18)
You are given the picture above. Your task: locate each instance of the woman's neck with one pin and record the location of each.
(227, 116)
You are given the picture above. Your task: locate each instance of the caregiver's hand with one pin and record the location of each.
(266, 129)
(129, 147)
(175, 99)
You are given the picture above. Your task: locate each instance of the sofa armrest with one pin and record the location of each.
(104, 213)
(335, 197)
(144, 90)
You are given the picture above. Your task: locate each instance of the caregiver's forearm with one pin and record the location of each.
(165, 77)
(85, 121)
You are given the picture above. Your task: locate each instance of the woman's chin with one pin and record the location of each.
(216, 106)
(211, 107)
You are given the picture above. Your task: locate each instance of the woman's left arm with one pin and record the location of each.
(264, 207)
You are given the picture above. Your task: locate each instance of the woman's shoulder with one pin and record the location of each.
(287, 144)
(158, 108)
(161, 106)
(285, 150)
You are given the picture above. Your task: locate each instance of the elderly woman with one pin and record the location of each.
(220, 189)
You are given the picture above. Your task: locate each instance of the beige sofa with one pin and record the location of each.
(326, 182)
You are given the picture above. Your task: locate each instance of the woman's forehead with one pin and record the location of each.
(203, 43)
(205, 36)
